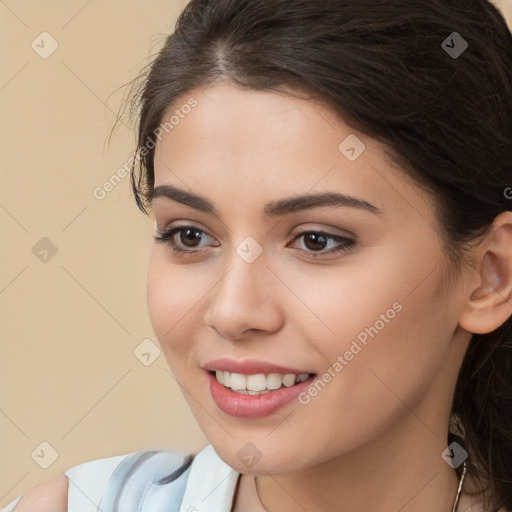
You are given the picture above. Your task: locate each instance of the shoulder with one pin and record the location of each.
(152, 477)
(50, 496)
(55, 494)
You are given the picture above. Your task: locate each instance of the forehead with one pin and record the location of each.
(227, 111)
(261, 143)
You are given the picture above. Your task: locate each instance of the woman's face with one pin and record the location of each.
(258, 288)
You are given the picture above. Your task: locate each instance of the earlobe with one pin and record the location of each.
(489, 304)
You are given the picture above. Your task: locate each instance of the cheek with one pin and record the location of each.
(340, 303)
(175, 297)
(386, 361)
(384, 319)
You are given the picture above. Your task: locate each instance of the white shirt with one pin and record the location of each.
(150, 481)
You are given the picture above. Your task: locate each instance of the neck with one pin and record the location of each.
(403, 472)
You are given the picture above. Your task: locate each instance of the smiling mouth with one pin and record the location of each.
(259, 383)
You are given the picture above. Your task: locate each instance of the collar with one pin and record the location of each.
(210, 485)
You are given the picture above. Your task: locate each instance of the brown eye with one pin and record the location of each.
(189, 237)
(316, 241)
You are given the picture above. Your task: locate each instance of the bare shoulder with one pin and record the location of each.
(50, 496)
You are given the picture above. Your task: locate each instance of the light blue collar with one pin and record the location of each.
(211, 484)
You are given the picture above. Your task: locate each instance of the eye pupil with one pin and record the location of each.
(318, 241)
(191, 235)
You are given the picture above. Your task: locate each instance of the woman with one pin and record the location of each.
(331, 274)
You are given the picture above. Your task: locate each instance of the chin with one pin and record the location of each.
(261, 458)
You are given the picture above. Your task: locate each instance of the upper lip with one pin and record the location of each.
(249, 367)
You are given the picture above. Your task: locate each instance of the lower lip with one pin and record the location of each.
(253, 406)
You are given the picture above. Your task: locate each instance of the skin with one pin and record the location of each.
(372, 438)
(50, 496)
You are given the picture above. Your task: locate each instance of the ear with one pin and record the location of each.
(489, 297)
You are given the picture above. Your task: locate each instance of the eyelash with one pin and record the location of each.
(167, 237)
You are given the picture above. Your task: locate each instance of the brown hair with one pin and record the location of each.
(381, 64)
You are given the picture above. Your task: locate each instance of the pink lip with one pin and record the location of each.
(253, 406)
(249, 367)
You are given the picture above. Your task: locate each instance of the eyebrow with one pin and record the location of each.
(272, 209)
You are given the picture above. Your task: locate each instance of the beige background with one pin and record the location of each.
(70, 324)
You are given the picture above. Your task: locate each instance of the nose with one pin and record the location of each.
(246, 299)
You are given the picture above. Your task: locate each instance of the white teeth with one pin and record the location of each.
(274, 380)
(238, 381)
(259, 383)
(289, 380)
(256, 382)
(247, 392)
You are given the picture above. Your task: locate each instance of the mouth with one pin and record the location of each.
(263, 389)
(259, 383)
